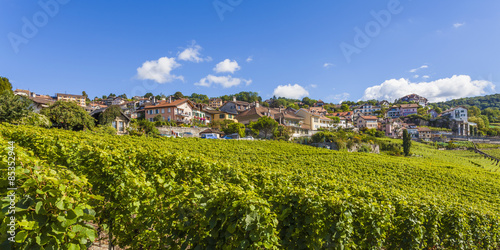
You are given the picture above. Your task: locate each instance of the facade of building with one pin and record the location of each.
(456, 113)
(422, 101)
(235, 107)
(393, 112)
(408, 109)
(80, 99)
(215, 103)
(368, 122)
(424, 134)
(367, 109)
(180, 111)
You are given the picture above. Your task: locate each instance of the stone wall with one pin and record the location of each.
(168, 130)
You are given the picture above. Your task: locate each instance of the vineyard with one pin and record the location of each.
(192, 193)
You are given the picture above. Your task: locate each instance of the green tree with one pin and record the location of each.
(109, 115)
(178, 95)
(406, 142)
(35, 119)
(282, 133)
(265, 125)
(474, 111)
(344, 107)
(234, 128)
(148, 95)
(158, 118)
(143, 128)
(5, 85)
(69, 115)
(13, 107)
(221, 124)
(438, 110)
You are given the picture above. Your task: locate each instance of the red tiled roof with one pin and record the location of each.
(171, 104)
(370, 117)
(413, 105)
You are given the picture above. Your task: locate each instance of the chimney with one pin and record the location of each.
(257, 104)
(169, 99)
(234, 98)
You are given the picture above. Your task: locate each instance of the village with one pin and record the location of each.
(187, 118)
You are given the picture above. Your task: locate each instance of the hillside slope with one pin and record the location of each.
(268, 194)
(482, 102)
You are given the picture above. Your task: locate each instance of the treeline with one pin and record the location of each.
(482, 102)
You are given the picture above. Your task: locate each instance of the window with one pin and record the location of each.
(315, 119)
(168, 110)
(121, 127)
(163, 111)
(114, 124)
(222, 116)
(157, 111)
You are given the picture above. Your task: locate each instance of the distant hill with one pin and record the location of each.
(482, 102)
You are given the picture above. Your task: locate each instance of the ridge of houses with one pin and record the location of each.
(302, 122)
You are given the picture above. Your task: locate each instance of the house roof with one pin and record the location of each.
(23, 91)
(240, 103)
(260, 111)
(424, 129)
(210, 131)
(99, 111)
(79, 96)
(317, 109)
(413, 105)
(451, 109)
(41, 100)
(165, 104)
(349, 113)
(369, 117)
(413, 96)
(288, 115)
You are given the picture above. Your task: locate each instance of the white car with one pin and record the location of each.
(247, 138)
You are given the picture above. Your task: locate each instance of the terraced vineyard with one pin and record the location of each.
(194, 193)
(493, 152)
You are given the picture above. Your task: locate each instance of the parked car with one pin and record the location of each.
(247, 138)
(209, 136)
(232, 136)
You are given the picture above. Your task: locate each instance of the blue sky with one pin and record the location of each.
(440, 49)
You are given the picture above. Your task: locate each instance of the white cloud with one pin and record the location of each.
(436, 91)
(458, 25)
(416, 76)
(290, 91)
(224, 81)
(313, 86)
(227, 66)
(192, 54)
(338, 98)
(419, 68)
(249, 59)
(159, 70)
(328, 65)
(426, 77)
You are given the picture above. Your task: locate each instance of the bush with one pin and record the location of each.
(104, 129)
